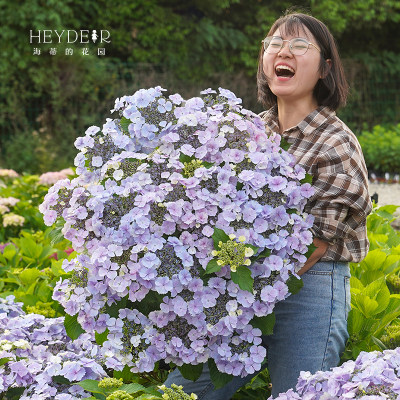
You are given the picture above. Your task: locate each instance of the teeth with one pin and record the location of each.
(281, 67)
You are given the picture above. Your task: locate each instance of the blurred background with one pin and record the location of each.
(49, 99)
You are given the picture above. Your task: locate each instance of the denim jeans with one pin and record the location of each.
(310, 334)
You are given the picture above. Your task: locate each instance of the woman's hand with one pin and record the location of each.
(315, 256)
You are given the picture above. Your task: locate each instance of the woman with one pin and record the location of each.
(301, 81)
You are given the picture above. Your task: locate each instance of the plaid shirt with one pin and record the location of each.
(327, 149)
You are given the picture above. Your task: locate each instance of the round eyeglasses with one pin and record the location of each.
(297, 46)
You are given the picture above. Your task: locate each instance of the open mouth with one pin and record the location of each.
(284, 71)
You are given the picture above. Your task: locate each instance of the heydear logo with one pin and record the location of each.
(70, 36)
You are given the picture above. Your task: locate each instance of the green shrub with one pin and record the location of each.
(374, 308)
(381, 149)
(30, 266)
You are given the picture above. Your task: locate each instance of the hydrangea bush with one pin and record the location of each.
(37, 356)
(189, 222)
(373, 376)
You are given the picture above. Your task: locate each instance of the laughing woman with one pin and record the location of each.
(301, 82)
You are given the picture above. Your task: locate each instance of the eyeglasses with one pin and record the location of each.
(297, 46)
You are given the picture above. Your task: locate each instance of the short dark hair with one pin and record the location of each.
(332, 89)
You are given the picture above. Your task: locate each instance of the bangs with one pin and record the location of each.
(291, 26)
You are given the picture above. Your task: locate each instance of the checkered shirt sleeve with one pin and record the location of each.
(330, 152)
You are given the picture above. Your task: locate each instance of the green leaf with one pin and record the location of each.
(307, 179)
(125, 122)
(132, 388)
(61, 379)
(284, 144)
(212, 266)
(9, 252)
(126, 374)
(219, 236)
(184, 158)
(14, 393)
(373, 260)
(265, 324)
(56, 235)
(265, 253)
(243, 278)
(294, 284)
(30, 248)
(4, 360)
(191, 372)
(101, 337)
(218, 378)
(28, 276)
(72, 326)
(91, 385)
(378, 343)
(366, 305)
(113, 309)
(387, 211)
(355, 321)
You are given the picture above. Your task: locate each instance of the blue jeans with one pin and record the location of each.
(309, 335)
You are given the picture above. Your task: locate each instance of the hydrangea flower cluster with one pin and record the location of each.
(8, 173)
(50, 178)
(373, 376)
(12, 219)
(189, 220)
(38, 349)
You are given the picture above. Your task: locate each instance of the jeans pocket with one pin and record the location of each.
(347, 296)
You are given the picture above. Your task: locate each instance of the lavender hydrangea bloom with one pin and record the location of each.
(373, 375)
(38, 349)
(153, 186)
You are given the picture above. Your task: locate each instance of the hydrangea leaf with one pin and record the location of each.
(61, 380)
(265, 253)
(243, 278)
(213, 266)
(72, 326)
(132, 388)
(15, 393)
(28, 276)
(91, 385)
(4, 360)
(265, 324)
(101, 337)
(55, 234)
(184, 158)
(125, 122)
(307, 179)
(113, 309)
(284, 144)
(219, 236)
(218, 378)
(191, 372)
(294, 284)
(126, 374)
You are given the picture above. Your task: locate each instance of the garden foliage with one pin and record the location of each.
(381, 148)
(374, 307)
(47, 100)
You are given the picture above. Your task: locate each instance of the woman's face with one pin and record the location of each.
(299, 82)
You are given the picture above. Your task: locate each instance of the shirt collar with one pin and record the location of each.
(311, 122)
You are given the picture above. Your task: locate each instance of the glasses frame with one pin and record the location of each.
(290, 44)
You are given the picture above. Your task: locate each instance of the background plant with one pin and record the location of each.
(47, 100)
(381, 148)
(373, 306)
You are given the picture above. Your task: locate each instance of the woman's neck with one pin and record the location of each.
(290, 114)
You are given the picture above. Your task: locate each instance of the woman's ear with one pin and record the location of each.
(327, 68)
